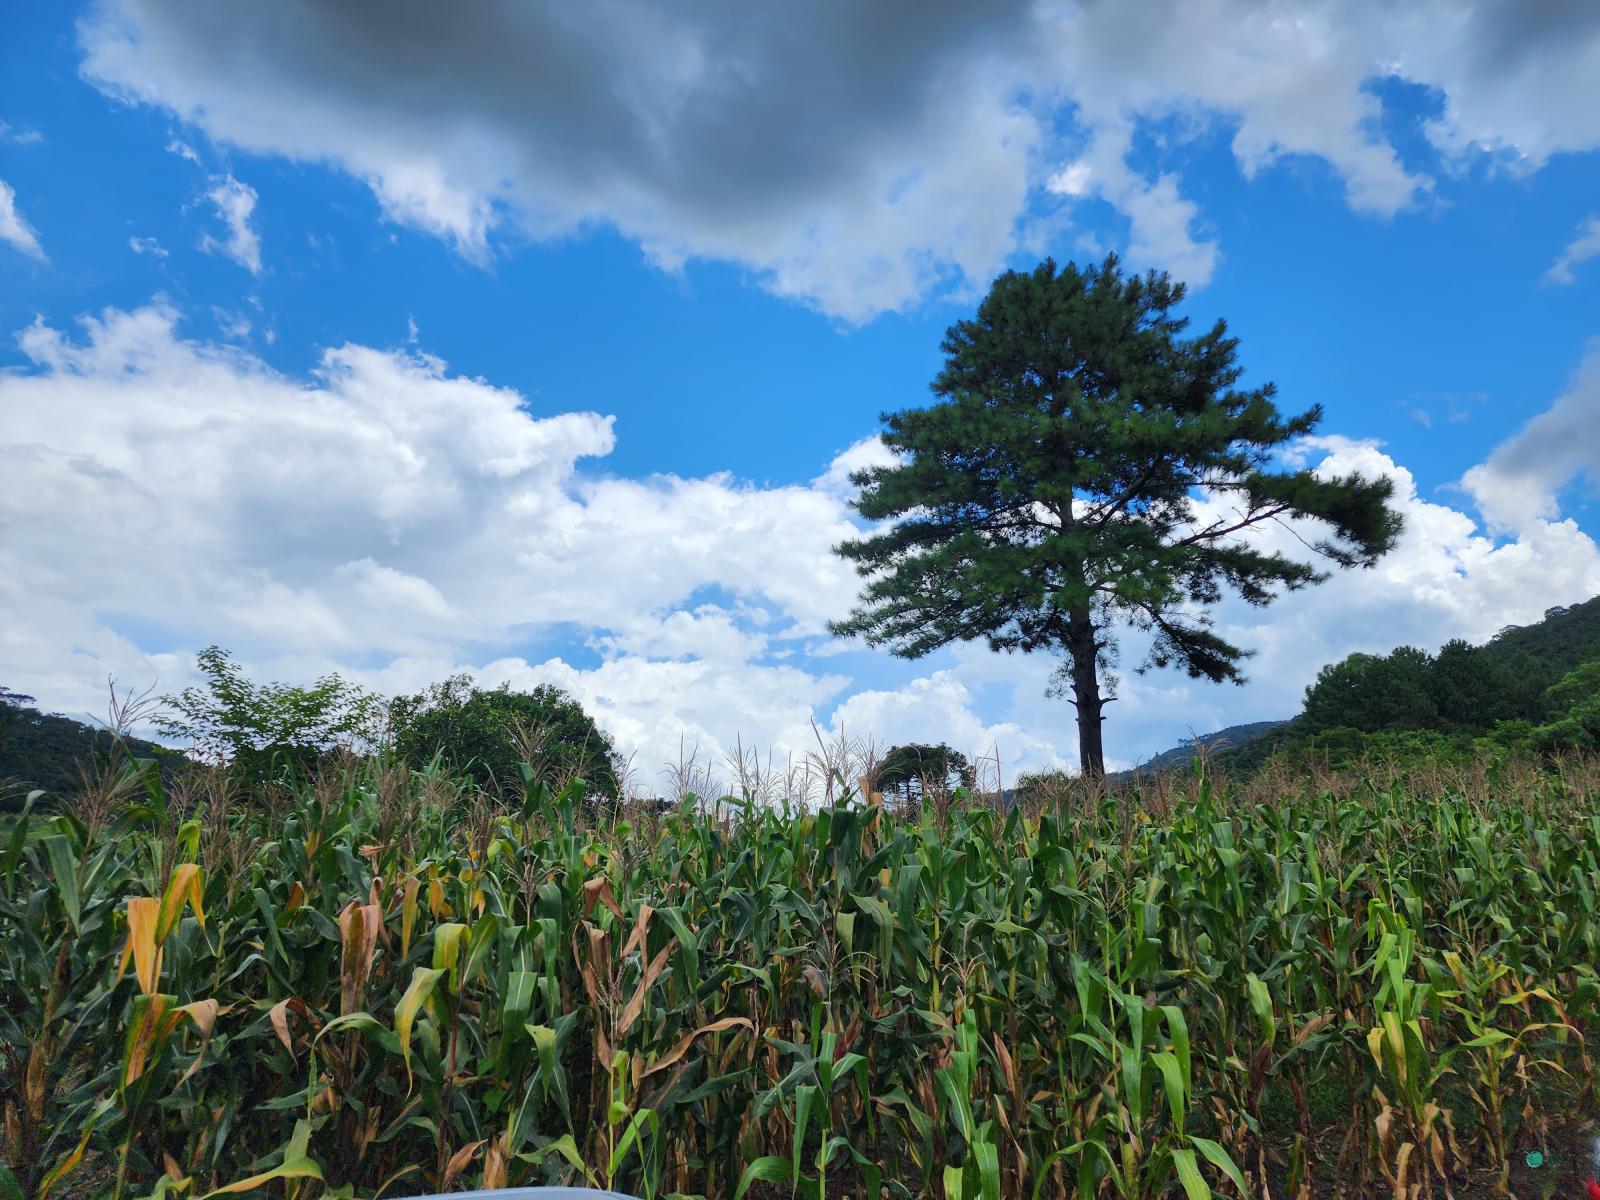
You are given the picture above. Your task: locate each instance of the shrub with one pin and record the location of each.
(489, 733)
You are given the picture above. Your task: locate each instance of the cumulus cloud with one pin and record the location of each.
(1585, 244)
(169, 491)
(1448, 577)
(147, 245)
(1517, 487)
(235, 202)
(849, 157)
(393, 521)
(13, 228)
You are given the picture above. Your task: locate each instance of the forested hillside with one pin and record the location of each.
(1530, 689)
(49, 751)
(1564, 639)
(1231, 738)
(1413, 701)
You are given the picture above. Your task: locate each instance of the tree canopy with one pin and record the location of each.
(1462, 689)
(914, 767)
(1086, 466)
(487, 732)
(257, 728)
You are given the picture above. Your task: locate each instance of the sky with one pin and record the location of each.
(540, 341)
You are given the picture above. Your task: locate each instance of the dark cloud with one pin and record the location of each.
(856, 156)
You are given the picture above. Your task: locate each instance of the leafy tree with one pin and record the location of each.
(1462, 689)
(487, 732)
(1368, 692)
(911, 768)
(1086, 464)
(1574, 716)
(256, 728)
(1473, 688)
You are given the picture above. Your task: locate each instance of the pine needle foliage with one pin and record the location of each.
(1085, 465)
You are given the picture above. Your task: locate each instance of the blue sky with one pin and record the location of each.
(531, 346)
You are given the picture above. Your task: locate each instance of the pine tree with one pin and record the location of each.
(1085, 465)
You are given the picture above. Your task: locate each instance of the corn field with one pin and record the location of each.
(376, 982)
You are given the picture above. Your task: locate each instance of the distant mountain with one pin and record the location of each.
(1564, 639)
(1230, 738)
(49, 751)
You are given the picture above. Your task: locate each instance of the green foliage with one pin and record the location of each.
(490, 733)
(1566, 637)
(374, 987)
(1368, 693)
(1475, 687)
(1573, 723)
(913, 768)
(1463, 688)
(1050, 492)
(260, 729)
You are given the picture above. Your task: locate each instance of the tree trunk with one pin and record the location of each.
(1083, 649)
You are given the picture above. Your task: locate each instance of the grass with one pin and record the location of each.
(383, 982)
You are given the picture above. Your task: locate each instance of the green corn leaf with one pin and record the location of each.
(64, 866)
(1221, 1159)
(1194, 1184)
(767, 1169)
(1176, 1088)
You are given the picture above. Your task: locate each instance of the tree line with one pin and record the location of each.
(262, 732)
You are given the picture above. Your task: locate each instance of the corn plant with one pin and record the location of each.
(372, 982)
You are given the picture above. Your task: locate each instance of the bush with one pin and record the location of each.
(489, 733)
(261, 730)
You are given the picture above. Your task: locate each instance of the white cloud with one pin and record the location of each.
(147, 245)
(1517, 487)
(235, 202)
(381, 510)
(1585, 245)
(235, 326)
(1447, 578)
(1162, 223)
(1074, 179)
(849, 158)
(20, 137)
(858, 456)
(388, 519)
(13, 228)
